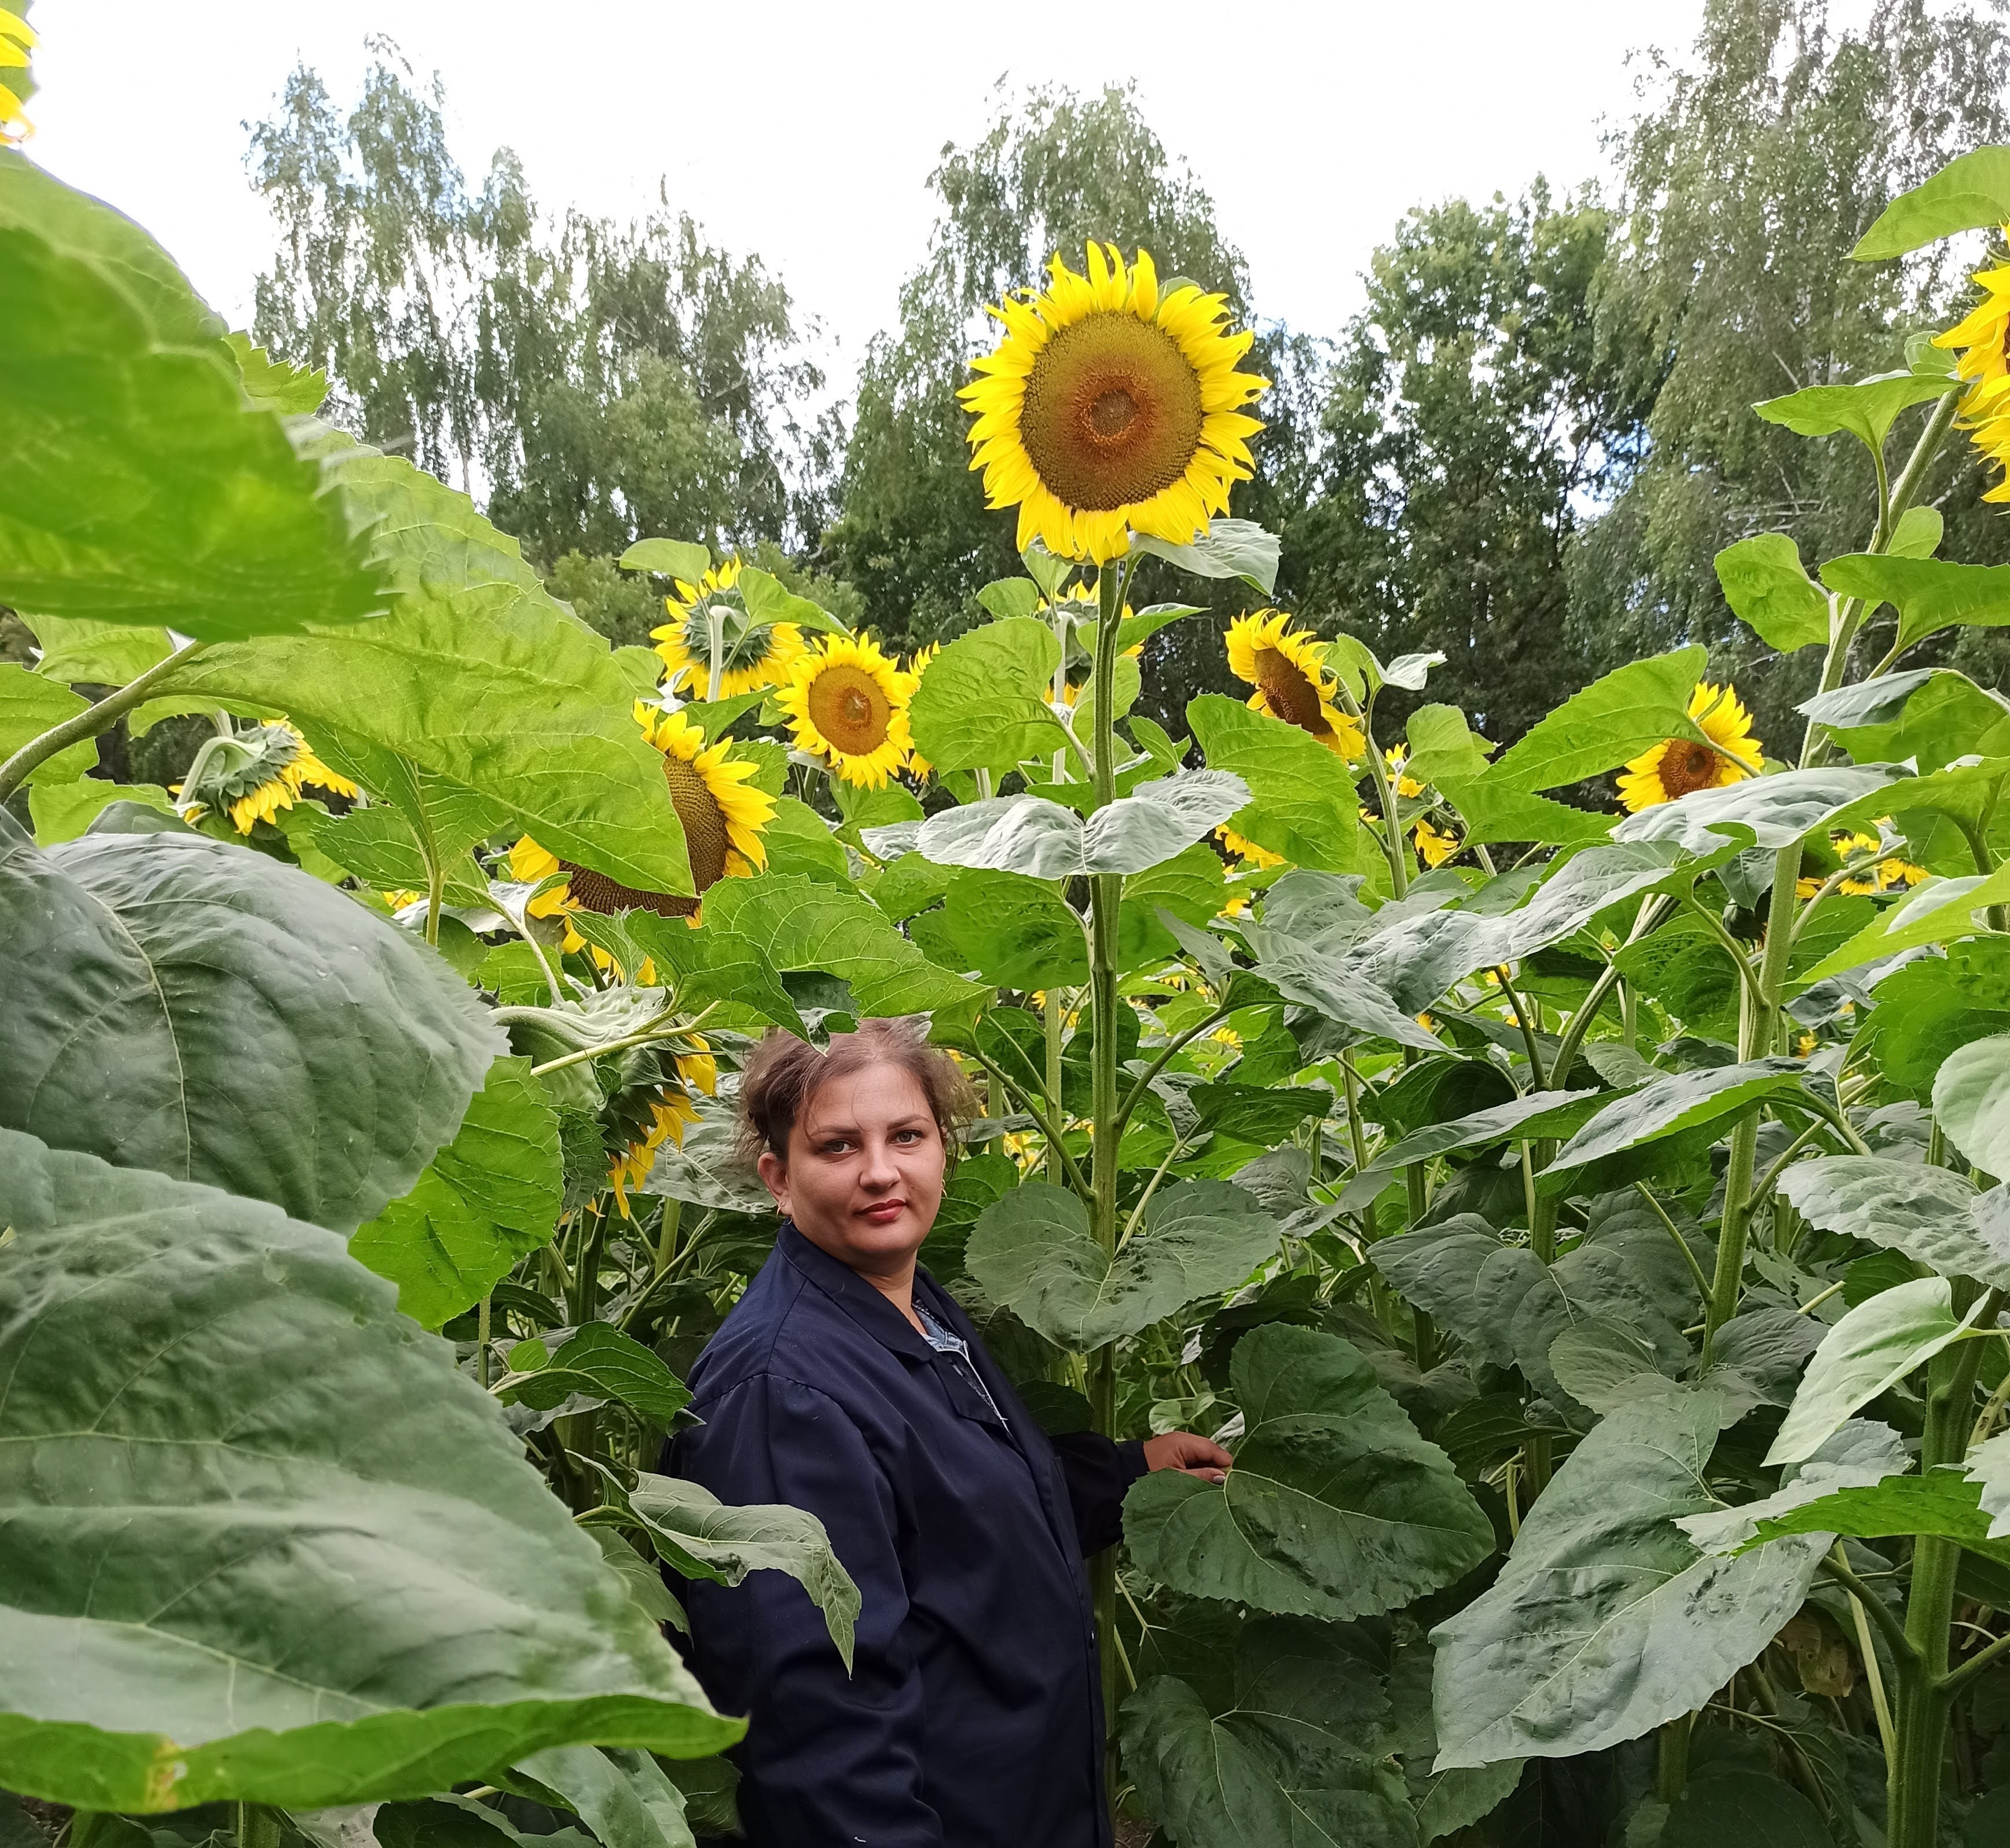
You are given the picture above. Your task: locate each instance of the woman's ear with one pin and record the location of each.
(775, 1177)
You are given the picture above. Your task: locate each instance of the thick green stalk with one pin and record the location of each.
(93, 720)
(1671, 1771)
(257, 1825)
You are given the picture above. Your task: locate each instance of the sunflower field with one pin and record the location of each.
(1566, 1176)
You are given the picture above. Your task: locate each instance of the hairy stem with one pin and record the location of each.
(92, 720)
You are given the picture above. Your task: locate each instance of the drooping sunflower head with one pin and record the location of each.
(1981, 340)
(724, 817)
(254, 772)
(757, 656)
(1247, 849)
(1676, 767)
(17, 45)
(847, 704)
(1287, 668)
(1110, 406)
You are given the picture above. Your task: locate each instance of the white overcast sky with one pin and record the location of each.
(806, 132)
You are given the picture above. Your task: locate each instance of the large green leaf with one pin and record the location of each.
(795, 923)
(1776, 809)
(1971, 1101)
(1866, 409)
(181, 1005)
(1227, 549)
(1536, 1114)
(1029, 834)
(1335, 1508)
(259, 1538)
(599, 1361)
(1968, 193)
(1858, 1454)
(30, 706)
(702, 1537)
(477, 676)
(1031, 1252)
(1615, 718)
(1942, 1502)
(1292, 1764)
(143, 486)
(1606, 1620)
(1767, 588)
(1015, 932)
(490, 1195)
(1926, 1213)
(1734, 1806)
(1937, 912)
(1671, 1106)
(1302, 800)
(625, 1797)
(1870, 1350)
(982, 702)
(1928, 593)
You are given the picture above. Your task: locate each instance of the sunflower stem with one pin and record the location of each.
(92, 720)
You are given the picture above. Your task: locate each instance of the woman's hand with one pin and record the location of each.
(1188, 1451)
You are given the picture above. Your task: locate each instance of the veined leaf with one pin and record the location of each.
(1968, 193)
(1971, 1101)
(1774, 810)
(1867, 409)
(1859, 1454)
(1870, 1350)
(702, 1537)
(180, 1004)
(1769, 591)
(1670, 1106)
(489, 1196)
(1227, 548)
(1607, 1620)
(683, 559)
(1302, 972)
(1335, 1508)
(1031, 835)
(1937, 912)
(1302, 800)
(143, 487)
(1615, 718)
(1031, 1252)
(1537, 1113)
(30, 706)
(63, 810)
(625, 1797)
(982, 704)
(1944, 1503)
(1014, 931)
(1927, 1212)
(1928, 593)
(261, 1540)
(600, 1361)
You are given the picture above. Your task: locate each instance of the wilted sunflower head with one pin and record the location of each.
(847, 704)
(1110, 407)
(1678, 766)
(757, 656)
(252, 773)
(1287, 668)
(724, 818)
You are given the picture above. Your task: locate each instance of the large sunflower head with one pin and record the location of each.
(254, 772)
(1287, 668)
(723, 816)
(1111, 406)
(1982, 339)
(17, 43)
(1676, 767)
(848, 705)
(758, 657)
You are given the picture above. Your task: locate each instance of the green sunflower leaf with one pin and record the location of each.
(1228, 549)
(1615, 719)
(1302, 800)
(1867, 409)
(982, 702)
(1927, 1212)
(1768, 590)
(1965, 195)
(195, 1382)
(1930, 594)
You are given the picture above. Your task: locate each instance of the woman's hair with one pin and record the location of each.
(784, 1073)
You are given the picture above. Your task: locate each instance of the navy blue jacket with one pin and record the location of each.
(972, 1716)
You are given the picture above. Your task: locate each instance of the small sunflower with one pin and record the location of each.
(1433, 846)
(918, 767)
(1888, 875)
(1247, 849)
(1674, 768)
(1110, 407)
(1395, 757)
(759, 658)
(723, 818)
(1983, 340)
(254, 773)
(1287, 668)
(848, 703)
(17, 42)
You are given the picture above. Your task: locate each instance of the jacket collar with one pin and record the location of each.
(853, 1294)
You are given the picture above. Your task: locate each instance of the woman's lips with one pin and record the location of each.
(883, 1212)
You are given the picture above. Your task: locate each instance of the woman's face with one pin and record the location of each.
(864, 1178)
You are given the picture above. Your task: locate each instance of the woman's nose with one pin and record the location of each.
(881, 1170)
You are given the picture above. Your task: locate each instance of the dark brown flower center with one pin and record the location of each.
(1111, 413)
(705, 841)
(850, 708)
(1685, 764)
(1289, 695)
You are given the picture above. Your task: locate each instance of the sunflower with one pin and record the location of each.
(1888, 875)
(723, 819)
(1247, 849)
(918, 767)
(1287, 668)
(1434, 848)
(1674, 767)
(669, 1111)
(1395, 757)
(1983, 340)
(848, 703)
(17, 40)
(1110, 407)
(760, 658)
(253, 774)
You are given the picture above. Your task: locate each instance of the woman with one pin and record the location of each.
(848, 1382)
